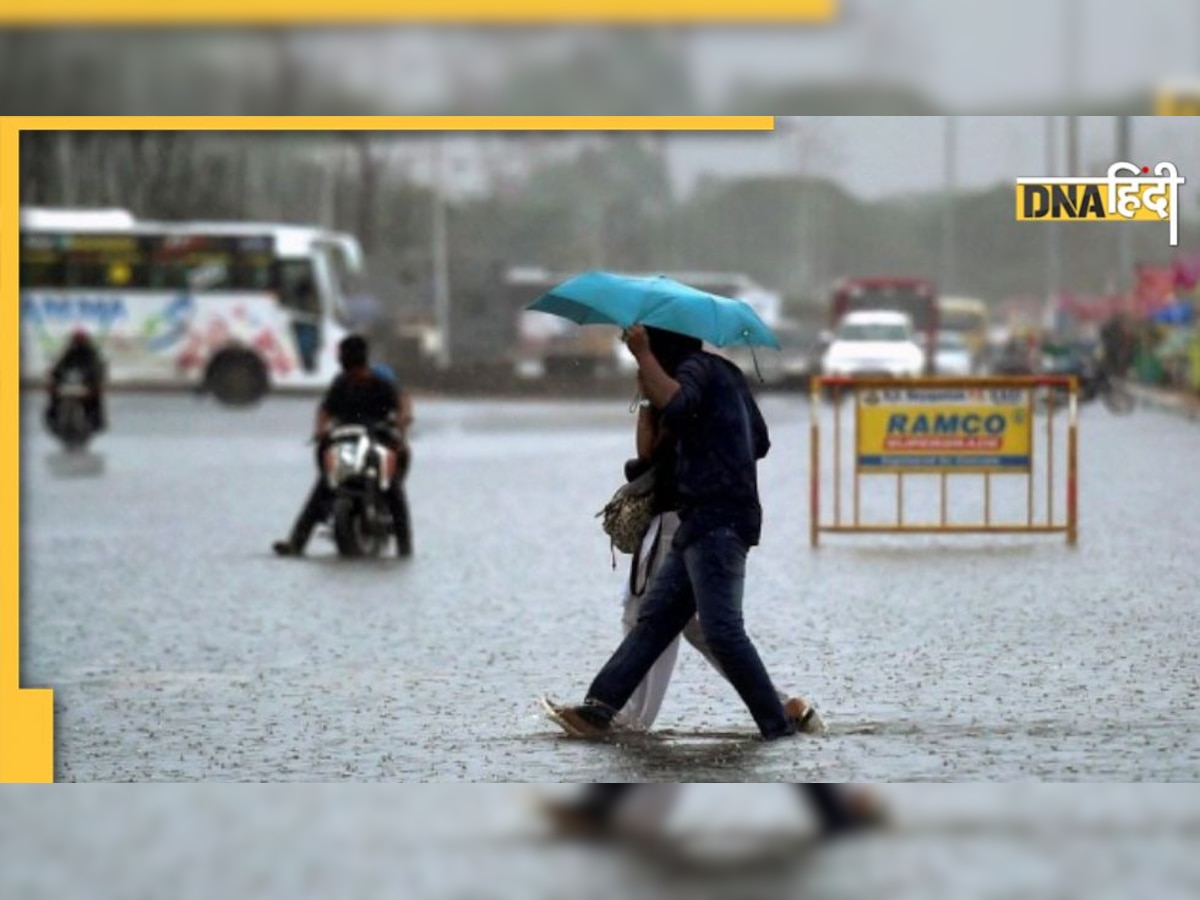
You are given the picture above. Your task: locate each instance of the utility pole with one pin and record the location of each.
(66, 168)
(1053, 250)
(950, 197)
(1071, 21)
(368, 194)
(440, 254)
(1073, 164)
(805, 147)
(1124, 235)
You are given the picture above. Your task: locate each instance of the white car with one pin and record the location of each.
(874, 343)
(953, 356)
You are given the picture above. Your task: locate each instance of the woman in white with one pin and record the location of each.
(655, 447)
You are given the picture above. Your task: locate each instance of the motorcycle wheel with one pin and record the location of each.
(404, 531)
(73, 427)
(347, 527)
(353, 532)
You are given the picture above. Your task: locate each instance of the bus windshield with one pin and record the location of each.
(348, 283)
(962, 321)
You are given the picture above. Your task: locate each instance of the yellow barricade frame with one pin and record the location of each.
(838, 387)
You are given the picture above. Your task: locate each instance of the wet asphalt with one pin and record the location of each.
(181, 649)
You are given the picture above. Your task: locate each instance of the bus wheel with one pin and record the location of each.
(237, 378)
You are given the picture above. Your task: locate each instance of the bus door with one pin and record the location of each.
(299, 296)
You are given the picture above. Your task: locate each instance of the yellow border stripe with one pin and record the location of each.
(395, 123)
(310, 12)
(26, 716)
(1178, 103)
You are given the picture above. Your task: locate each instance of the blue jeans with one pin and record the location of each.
(707, 579)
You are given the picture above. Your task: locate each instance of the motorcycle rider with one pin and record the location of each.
(1116, 338)
(81, 355)
(358, 396)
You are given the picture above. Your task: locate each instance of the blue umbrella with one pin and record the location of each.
(602, 298)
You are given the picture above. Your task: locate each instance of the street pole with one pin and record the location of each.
(949, 245)
(441, 261)
(1124, 235)
(799, 144)
(1071, 23)
(1073, 146)
(1053, 250)
(803, 232)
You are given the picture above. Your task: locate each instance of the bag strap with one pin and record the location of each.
(640, 486)
(637, 562)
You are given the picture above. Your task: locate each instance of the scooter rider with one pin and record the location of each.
(358, 396)
(82, 356)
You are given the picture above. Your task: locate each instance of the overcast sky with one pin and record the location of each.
(967, 53)
(875, 156)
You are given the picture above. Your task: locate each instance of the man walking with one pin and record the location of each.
(705, 403)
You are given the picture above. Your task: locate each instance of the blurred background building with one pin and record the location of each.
(860, 177)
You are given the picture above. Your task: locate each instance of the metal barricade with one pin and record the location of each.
(947, 430)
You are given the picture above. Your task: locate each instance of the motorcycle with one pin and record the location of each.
(360, 469)
(71, 422)
(1095, 382)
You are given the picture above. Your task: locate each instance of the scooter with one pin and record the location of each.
(71, 422)
(1095, 382)
(360, 470)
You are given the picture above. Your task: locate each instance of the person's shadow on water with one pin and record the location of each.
(77, 464)
(633, 819)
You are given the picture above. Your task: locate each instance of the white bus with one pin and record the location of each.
(234, 308)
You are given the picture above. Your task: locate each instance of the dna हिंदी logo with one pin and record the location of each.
(1129, 193)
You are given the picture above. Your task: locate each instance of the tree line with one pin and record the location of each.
(610, 205)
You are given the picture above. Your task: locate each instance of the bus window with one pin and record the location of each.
(103, 262)
(297, 286)
(349, 290)
(298, 295)
(41, 264)
(207, 263)
(94, 262)
(251, 272)
(41, 273)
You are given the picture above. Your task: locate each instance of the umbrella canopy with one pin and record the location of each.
(603, 298)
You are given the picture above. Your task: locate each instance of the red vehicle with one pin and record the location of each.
(915, 296)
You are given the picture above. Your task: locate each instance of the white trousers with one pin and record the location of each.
(643, 707)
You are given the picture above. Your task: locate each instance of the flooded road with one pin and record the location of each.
(180, 648)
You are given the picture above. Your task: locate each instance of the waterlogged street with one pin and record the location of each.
(180, 648)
